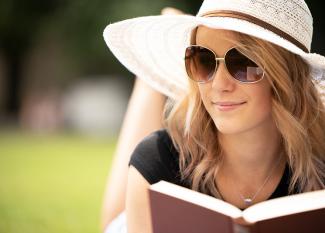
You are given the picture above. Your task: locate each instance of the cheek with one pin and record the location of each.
(263, 102)
(260, 109)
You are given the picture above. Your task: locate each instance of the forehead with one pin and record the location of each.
(216, 39)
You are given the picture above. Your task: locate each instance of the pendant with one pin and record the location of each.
(248, 201)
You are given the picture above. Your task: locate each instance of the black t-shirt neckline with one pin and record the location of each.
(156, 158)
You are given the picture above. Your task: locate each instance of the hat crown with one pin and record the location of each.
(292, 17)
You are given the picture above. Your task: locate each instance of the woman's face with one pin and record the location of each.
(234, 107)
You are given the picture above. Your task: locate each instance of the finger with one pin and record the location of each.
(171, 11)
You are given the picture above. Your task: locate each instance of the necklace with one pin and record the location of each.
(249, 200)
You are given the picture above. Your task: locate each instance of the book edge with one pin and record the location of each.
(278, 207)
(197, 198)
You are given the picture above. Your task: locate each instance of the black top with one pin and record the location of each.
(157, 159)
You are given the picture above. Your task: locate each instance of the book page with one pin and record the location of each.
(285, 206)
(197, 198)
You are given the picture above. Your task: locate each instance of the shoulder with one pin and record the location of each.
(156, 158)
(155, 142)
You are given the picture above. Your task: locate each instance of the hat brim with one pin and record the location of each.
(153, 47)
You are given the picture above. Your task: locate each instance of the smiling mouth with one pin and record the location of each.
(227, 106)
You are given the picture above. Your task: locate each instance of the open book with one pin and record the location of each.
(175, 209)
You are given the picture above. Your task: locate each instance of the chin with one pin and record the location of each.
(230, 128)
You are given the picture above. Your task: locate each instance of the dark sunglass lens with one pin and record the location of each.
(200, 63)
(241, 67)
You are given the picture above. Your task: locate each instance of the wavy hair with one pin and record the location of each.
(297, 110)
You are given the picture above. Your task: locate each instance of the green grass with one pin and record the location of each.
(52, 184)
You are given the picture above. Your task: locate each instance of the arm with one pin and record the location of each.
(137, 203)
(144, 102)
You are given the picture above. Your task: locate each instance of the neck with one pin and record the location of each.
(252, 153)
(252, 165)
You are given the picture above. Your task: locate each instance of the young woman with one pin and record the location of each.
(250, 124)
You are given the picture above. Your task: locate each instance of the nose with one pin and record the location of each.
(222, 80)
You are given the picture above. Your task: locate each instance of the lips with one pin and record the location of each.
(228, 105)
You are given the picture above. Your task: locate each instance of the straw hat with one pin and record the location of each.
(152, 47)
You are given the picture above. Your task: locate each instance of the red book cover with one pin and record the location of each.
(175, 209)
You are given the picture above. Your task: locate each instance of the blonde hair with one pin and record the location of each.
(297, 110)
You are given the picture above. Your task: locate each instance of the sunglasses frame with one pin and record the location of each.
(224, 61)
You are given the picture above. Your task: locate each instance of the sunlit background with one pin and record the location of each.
(62, 99)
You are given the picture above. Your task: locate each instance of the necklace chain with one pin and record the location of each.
(248, 201)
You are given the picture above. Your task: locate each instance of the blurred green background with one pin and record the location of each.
(58, 86)
(62, 100)
(52, 183)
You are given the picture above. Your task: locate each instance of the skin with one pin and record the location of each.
(144, 101)
(247, 134)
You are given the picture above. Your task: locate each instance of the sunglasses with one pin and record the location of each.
(202, 63)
